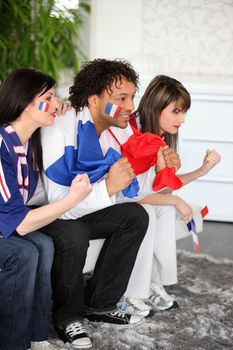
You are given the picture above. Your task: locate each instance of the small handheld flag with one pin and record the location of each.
(193, 224)
(43, 107)
(112, 110)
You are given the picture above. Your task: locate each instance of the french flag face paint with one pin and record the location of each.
(112, 110)
(43, 107)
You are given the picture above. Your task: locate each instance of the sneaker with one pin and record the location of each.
(116, 317)
(160, 289)
(160, 299)
(75, 334)
(134, 306)
(42, 345)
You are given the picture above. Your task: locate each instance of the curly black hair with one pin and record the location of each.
(97, 76)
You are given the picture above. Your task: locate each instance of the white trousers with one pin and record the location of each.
(156, 259)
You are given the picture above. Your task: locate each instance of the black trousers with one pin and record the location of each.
(124, 227)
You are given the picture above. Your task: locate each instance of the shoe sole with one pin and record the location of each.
(122, 326)
(174, 305)
(66, 341)
(93, 319)
(81, 347)
(140, 313)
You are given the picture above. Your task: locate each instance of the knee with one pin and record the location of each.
(138, 214)
(46, 248)
(73, 244)
(26, 256)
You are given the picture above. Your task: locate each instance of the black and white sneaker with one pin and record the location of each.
(75, 334)
(116, 317)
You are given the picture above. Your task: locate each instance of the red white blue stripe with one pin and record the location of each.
(112, 110)
(192, 227)
(43, 106)
(4, 190)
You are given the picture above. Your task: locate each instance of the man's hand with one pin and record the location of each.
(160, 164)
(172, 159)
(119, 177)
(166, 156)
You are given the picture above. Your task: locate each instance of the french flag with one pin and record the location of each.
(194, 227)
(81, 153)
(112, 110)
(43, 107)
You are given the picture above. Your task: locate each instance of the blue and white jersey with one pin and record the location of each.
(17, 180)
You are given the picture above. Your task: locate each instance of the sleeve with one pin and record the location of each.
(96, 200)
(12, 207)
(145, 181)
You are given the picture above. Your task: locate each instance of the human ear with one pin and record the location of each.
(93, 101)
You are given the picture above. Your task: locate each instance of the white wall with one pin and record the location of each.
(115, 28)
(175, 36)
(191, 40)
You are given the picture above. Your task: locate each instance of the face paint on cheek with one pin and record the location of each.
(112, 110)
(43, 107)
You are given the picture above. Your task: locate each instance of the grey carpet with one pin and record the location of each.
(204, 320)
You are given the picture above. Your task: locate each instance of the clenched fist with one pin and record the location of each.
(80, 188)
(211, 158)
(119, 177)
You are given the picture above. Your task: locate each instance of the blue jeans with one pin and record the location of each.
(25, 290)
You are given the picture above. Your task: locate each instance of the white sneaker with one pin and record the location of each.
(134, 306)
(161, 290)
(159, 298)
(42, 345)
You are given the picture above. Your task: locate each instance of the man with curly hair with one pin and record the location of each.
(71, 147)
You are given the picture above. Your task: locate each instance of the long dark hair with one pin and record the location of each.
(161, 91)
(17, 91)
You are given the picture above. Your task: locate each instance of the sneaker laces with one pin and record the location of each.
(75, 328)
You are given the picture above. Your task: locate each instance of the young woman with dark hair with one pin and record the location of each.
(27, 102)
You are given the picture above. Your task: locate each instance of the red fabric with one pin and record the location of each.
(141, 150)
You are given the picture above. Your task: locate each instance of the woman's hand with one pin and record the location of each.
(80, 188)
(64, 106)
(211, 158)
(184, 209)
